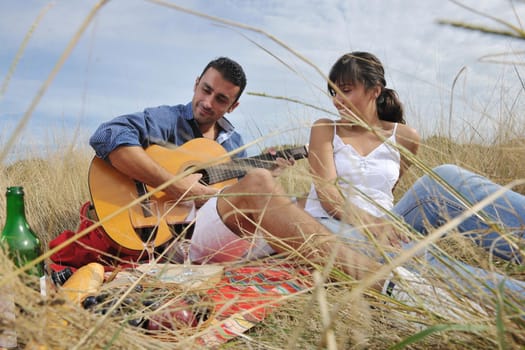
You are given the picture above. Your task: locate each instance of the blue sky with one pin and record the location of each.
(137, 54)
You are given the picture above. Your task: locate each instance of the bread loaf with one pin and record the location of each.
(85, 281)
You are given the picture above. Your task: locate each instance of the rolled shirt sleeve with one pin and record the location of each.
(123, 130)
(153, 126)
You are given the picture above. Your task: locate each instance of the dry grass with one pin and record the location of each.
(53, 190)
(56, 186)
(55, 195)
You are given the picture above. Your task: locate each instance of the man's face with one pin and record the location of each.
(213, 97)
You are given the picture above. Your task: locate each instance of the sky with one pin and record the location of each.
(136, 54)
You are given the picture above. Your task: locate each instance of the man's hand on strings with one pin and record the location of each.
(280, 163)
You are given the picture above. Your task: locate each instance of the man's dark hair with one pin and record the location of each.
(230, 70)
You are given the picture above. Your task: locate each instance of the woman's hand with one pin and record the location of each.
(387, 232)
(384, 230)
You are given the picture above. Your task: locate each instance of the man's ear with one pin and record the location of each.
(233, 106)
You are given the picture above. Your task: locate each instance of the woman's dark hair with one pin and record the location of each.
(365, 68)
(230, 70)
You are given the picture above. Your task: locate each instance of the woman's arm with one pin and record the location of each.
(322, 166)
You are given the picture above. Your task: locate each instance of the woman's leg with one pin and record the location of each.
(460, 276)
(474, 279)
(429, 203)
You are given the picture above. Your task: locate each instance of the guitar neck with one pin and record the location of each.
(239, 167)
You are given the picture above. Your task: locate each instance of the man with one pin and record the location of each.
(247, 220)
(228, 226)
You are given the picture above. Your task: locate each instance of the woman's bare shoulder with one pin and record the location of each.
(408, 137)
(408, 132)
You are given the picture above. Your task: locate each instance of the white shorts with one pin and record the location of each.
(213, 241)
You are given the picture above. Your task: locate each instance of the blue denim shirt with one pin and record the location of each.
(158, 125)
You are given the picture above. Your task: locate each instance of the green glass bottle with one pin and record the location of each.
(22, 243)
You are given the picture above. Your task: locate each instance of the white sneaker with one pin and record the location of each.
(413, 290)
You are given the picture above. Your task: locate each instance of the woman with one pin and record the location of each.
(360, 153)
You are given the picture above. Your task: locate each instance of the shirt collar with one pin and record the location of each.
(225, 125)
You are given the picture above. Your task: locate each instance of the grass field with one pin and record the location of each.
(335, 314)
(54, 196)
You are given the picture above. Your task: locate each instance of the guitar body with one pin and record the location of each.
(111, 190)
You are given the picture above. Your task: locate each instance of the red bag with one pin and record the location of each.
(95, 246)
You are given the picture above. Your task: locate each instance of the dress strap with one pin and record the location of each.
(393, 136)
(335, 132)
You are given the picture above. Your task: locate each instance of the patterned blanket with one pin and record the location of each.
(246, 295)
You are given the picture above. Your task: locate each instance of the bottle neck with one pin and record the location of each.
(15, 207)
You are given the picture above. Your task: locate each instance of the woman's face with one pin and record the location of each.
(355, 94)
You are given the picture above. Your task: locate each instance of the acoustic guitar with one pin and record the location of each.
(111, 190)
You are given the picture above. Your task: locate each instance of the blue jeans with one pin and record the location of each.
(428, 203)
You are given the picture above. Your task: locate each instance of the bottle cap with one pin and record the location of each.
(15, 190)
